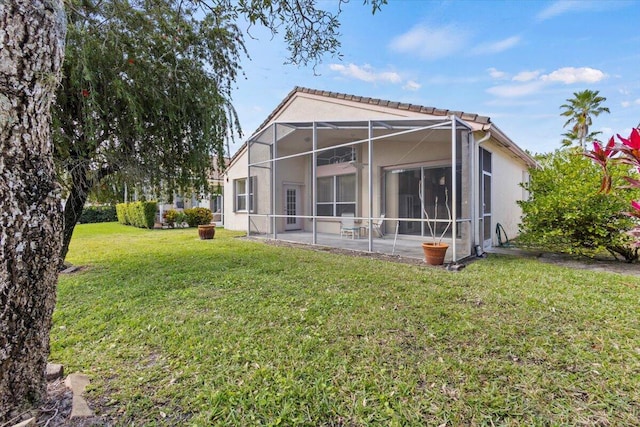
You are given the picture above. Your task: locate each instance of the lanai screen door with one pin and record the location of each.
(485, 197)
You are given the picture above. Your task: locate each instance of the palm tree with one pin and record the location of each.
(579, 110)
(570, 137)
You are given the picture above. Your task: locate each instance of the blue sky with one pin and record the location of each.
(515, 61)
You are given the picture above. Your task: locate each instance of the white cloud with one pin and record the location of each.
(448, 79)
(497, 74)
(625, 104)
(366, 73)
(557, 8)
(526, 76)
(516, 90)
(509, 102)
(560, 7)
(412, 86)
(430, 42)
(570, 75)
(496, 47)
(530, 82)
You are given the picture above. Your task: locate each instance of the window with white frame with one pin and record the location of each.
(243, 189)
(336, 195)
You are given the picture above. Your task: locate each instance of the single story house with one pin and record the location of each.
(396, 173)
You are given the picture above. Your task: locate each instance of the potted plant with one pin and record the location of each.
(201, 217)
(435, 251)
(206, 231)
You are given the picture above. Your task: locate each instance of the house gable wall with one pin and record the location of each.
(307, 107)
(507, 174)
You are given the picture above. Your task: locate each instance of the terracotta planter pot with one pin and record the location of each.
(434, 253)
(206, 231)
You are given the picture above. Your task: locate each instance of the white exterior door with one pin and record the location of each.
(292, 208)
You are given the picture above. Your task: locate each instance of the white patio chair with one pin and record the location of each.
(348, 226)
(377, 224)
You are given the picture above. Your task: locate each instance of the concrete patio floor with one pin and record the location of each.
(404, 246)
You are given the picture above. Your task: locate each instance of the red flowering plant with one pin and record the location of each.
(627, 152)
(601, 155)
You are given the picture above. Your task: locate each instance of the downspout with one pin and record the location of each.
(453, 217)
(485, 138)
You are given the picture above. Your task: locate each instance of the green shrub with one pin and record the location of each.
(170, 216)
(150, 209)
(567, 213)
(198, 216)
(174, 218)
(138, 214)
(122, 214)
(93, 214)
(181, 218)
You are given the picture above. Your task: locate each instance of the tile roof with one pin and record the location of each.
(470, 117)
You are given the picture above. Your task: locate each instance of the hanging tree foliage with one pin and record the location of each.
(145, 94)
(146, 91)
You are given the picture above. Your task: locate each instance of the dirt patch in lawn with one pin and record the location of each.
(607, 266)
(580, 263)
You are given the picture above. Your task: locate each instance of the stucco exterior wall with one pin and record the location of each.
(507, 174)
(238, 169)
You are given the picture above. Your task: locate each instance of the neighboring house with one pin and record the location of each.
(320, 155)
(213, 200)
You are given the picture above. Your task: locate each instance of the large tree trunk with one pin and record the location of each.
(80, 188)
(32, 36)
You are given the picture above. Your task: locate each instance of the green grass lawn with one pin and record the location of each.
(173, 330)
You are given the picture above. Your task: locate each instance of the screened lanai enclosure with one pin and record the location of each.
(379, 186)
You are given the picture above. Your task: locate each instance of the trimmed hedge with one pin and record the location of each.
(93, 214)
(138, 214)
